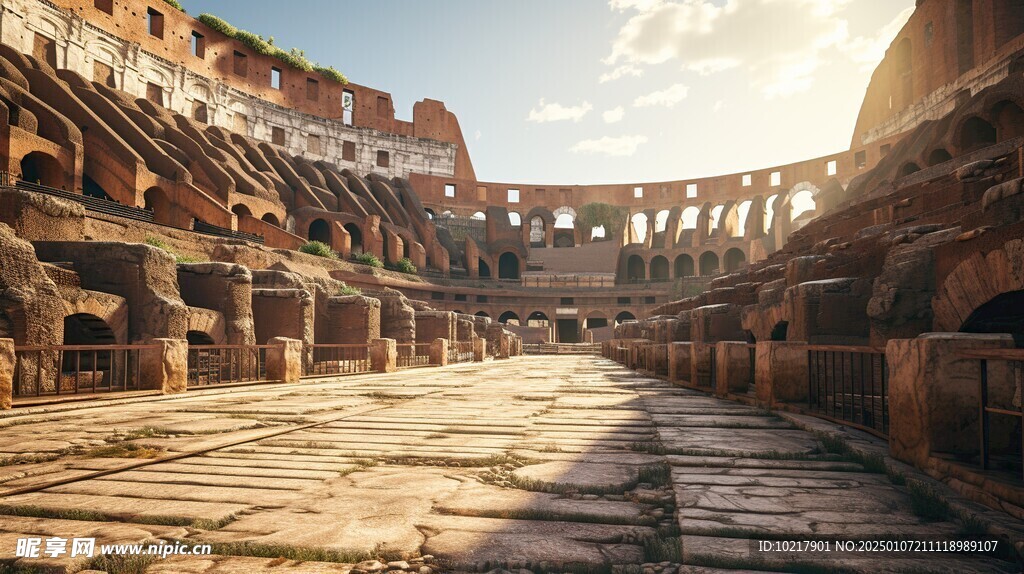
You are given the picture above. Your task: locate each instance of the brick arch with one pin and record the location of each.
(110, 309)
(977, 280)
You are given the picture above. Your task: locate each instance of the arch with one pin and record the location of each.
(907, 169)
(536, 231)
(564, 210)
(716, 217)
(683, 266)
(742, 211)
(1008, 119)
(1004, 313)
(156, 201)
(241, 209)
(769, 209)
(661, 221)
(565, 238)
(482, 314)
(595, 320)
(200, 112)
(624, 316)
(659, 268)
(319, 230)
(87, 329)
(507, 317)
(565, 221)
(975, 134)
(514, 219)
(708, 263)
(537, 316)
(800, 203)
(598, 233)
(938, 155)
(44, 169)
(733, 259)
(198, 338)
(639, 223)
(271, 219)
(355, 236)
(779, 331)
(689, 217)
(484, 270)
(636, 269)
(479, 215)
(430, 213)
(508, 266)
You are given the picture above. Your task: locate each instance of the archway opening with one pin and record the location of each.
(536, 231)
(156, 201)
(479, 216)
(689, 217)
(1009, 120)
(508, 266)
(430, 213)
(355, 237)
(716, 218)
(565, 238)
(733, 259)
(598, 233)
(514, 219)
(683, 266)
(976, 134)
(938, 155)
(639, 223)
(483, 268)
(87, 329)
(271, 219)
(1004, 313)
(708, 263)
(908, 168)
(801, 202)
(44, 169)
(769, 212)
(198, 338)
(779, 331)
(538, 319)
(624, 316)
(320, 231)
(92, 189)
(636, 269)
(240, 210)
(659, 268)
(482, 314)
(508, 318)
(742, 212)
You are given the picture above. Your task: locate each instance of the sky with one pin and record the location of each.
(598, 91)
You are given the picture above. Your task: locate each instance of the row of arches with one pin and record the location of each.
(508, 266)
(684, 266)
(593, 318)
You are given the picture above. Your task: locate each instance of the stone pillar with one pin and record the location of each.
(679, 362)
(781, 372)
(479, 350)
(164, 368)
(733, 368)
(284, 360)
(702, 365)
(439, 352)
(7, 363)
(384, 355)
(934, 394)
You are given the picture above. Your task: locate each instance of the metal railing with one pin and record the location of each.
(460, 351)
(999, 388)
(76, 369)
(217, 231)
(326, 360)
(850, 384)
(210, 365)
(413, 355)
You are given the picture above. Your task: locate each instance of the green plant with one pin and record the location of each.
(349, 290)
(320, 249)
(330, 73)
(926, 502)
(157, 242)
(369, 259)
(175, 5)
(597, 214)
(218, 24)
(405, 266)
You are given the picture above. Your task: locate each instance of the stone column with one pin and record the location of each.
(781, 372)
(164, 368)
(701, 365)
(439, 352)
(384, 355)
(934, 394)
(284, 360)
(733, 367)
(479, 350)
(679, 362)
(7, 363)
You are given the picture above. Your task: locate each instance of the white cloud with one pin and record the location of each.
(618, 146)
(778, 44)
(668, 97)
(869, 51)
(626, 70)
(558, 112)
(613, 115)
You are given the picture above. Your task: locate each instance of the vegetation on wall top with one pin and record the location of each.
(596, 214)
(175, 4)
(295, 58)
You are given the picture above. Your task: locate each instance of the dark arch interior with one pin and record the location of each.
(624, 316)
(684, 266)
(157, 202)
(198, 338)
(779, 331)
(659, 268)
(482, 314)
(1009, 120)
(86, 329)
(508, 266)
(565, 238)
(938, 156)
(241, 209)
(356, 236)
(734, 258)
(909, 168)
(508, 316)
(44, 169)
(484, 268)
(635, 268)
(320, 231)
(93, 189)
(708, 263)
(977, 133)
(1004, 313)
(6, 326)
(271, 219)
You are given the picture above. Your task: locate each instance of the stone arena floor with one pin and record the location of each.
(552, 463)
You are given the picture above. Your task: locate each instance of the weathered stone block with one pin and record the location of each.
(439, 352)
(733, 370)
(384, 355)
(702, 365)
(781, 372)
(679, 359)
(7, 364)
(480, 350)
(284, 360)
(165, 367)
